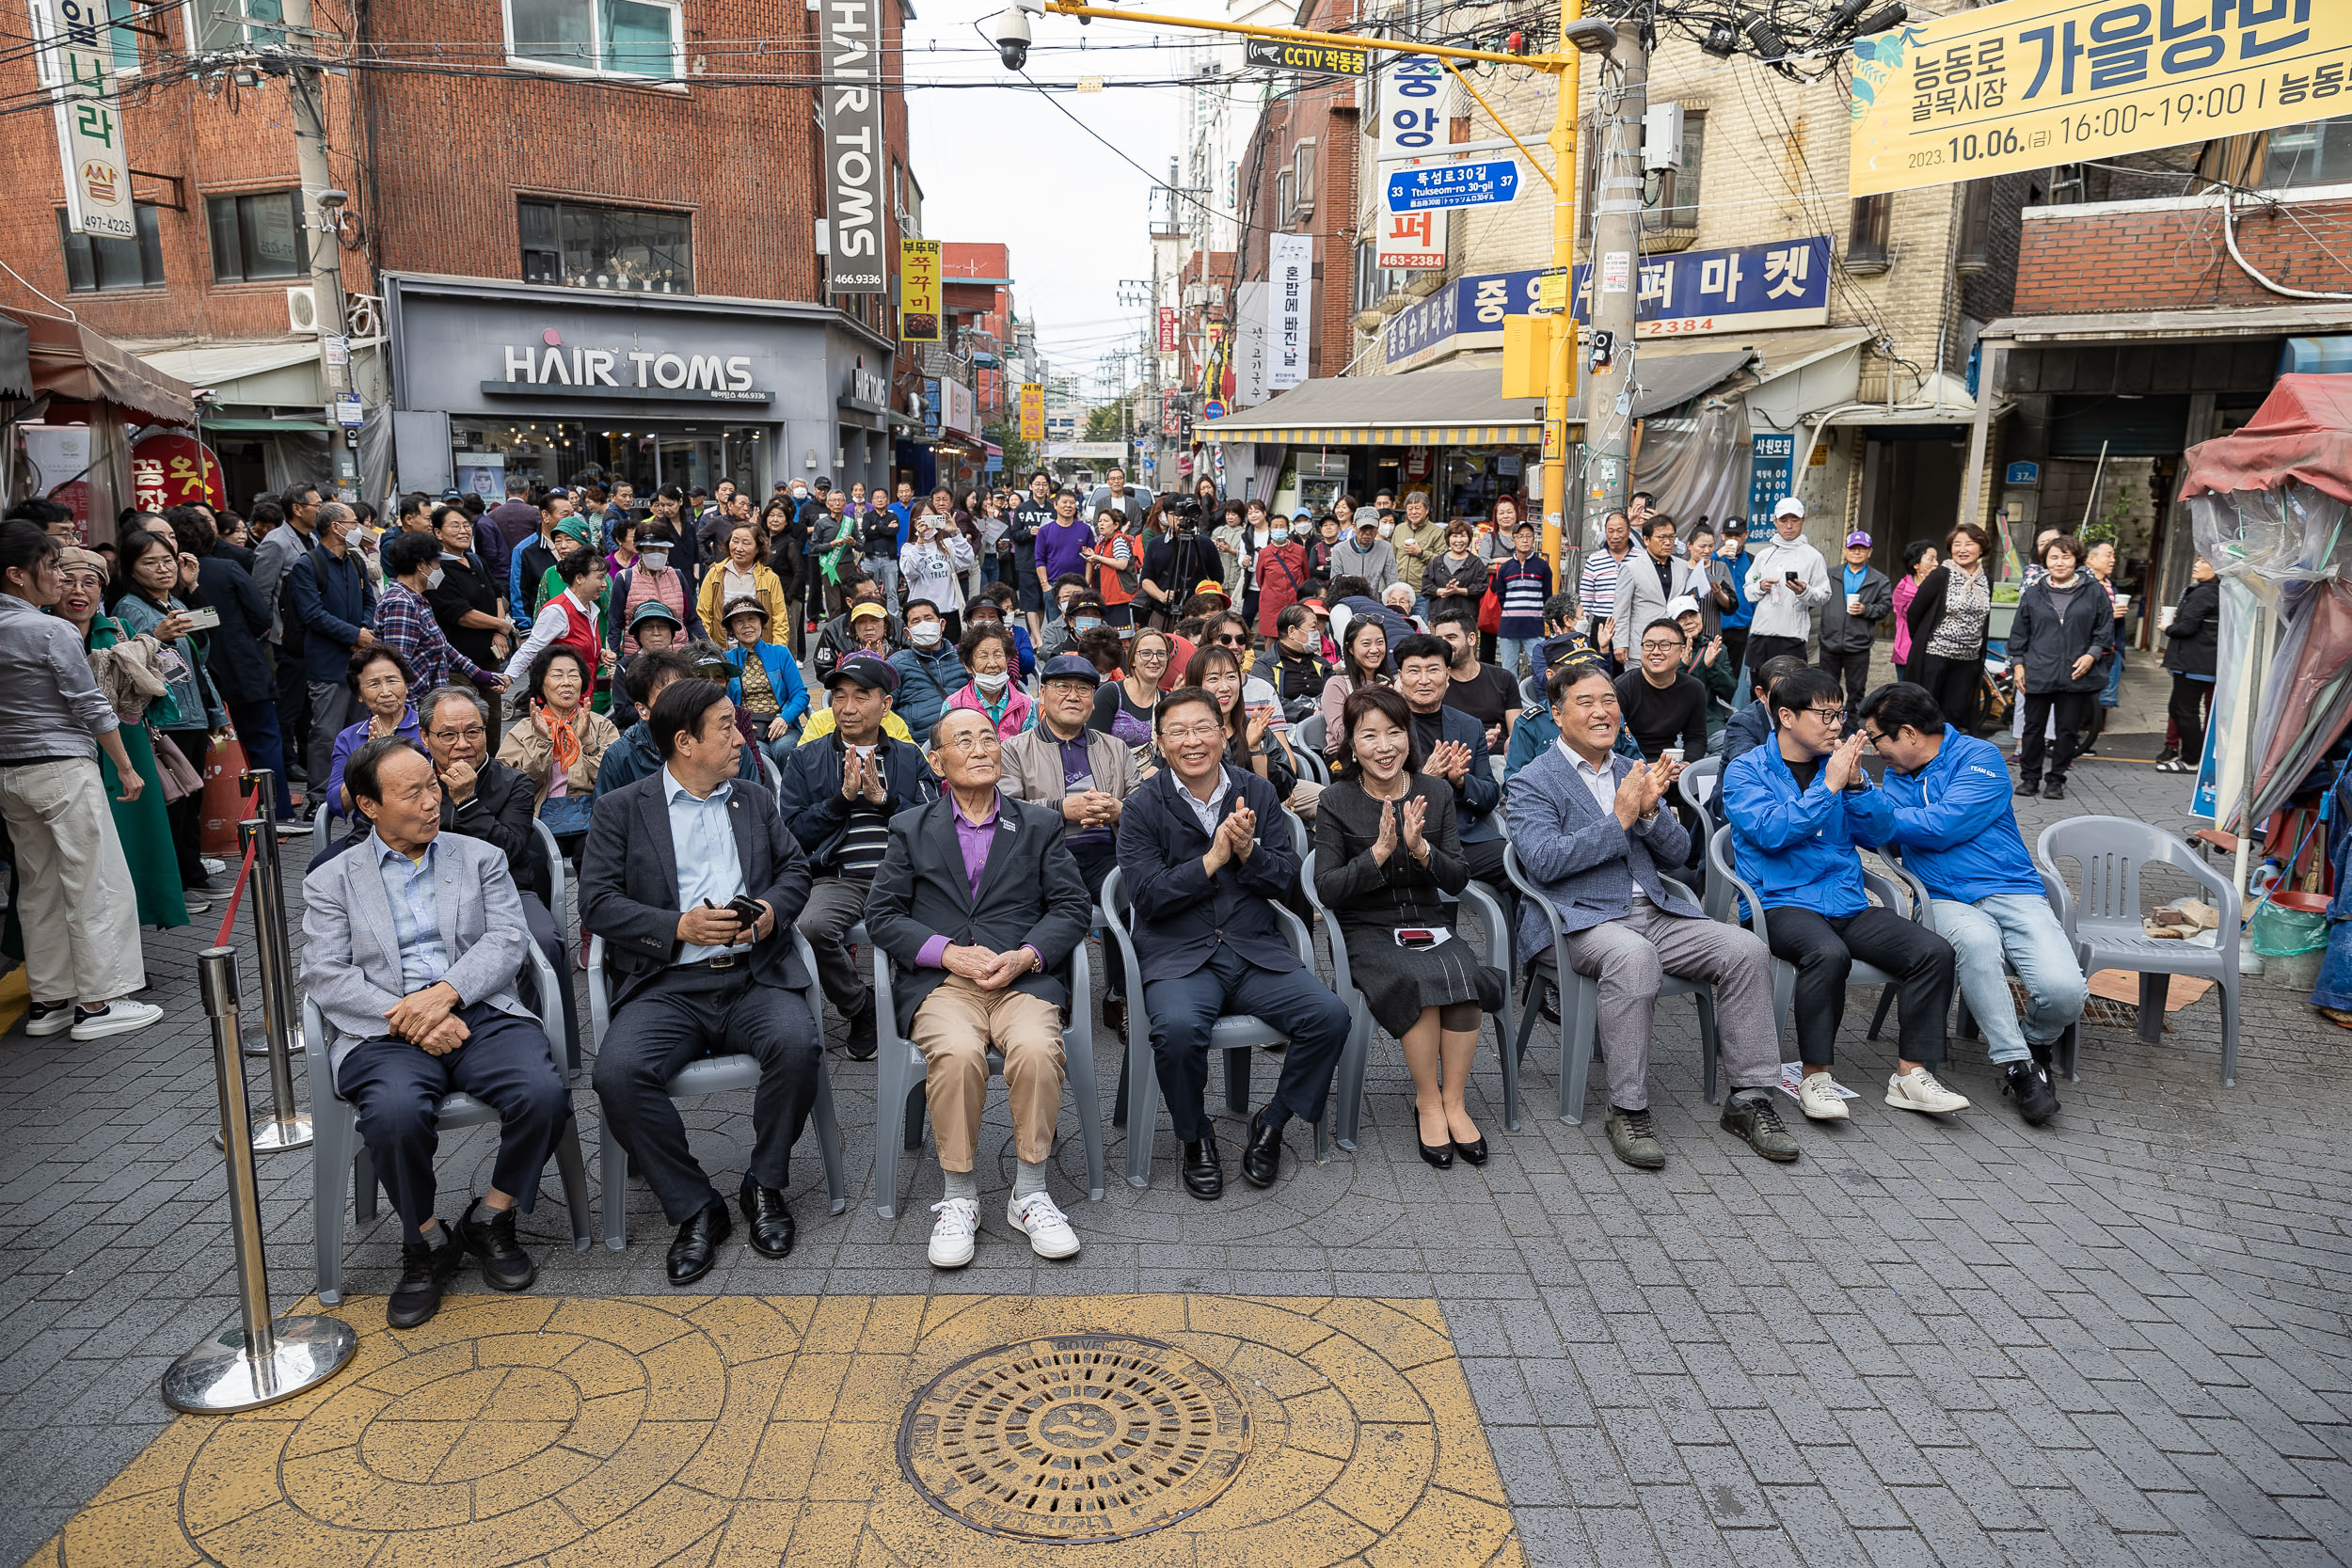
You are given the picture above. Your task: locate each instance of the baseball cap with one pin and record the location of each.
(1315, 605)
(1070, 667)
(1788, 506)
(747, 605)
(868, 672)
(859, 611)
(1686, 605)
(1857, 540)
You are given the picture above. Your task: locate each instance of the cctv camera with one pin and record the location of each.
(1012, 37)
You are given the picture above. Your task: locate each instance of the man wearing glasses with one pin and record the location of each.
(1665, 707)
(1947, 802)
(980, 904)
(1202, 849)
(1797, 809)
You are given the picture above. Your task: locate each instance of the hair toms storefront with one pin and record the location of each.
(492, 380)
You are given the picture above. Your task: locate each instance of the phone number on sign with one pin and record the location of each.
(1678, 327)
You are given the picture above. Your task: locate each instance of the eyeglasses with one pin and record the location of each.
(1193, 732)
(1828, 715)
(1232, 641)
(473, 732)
(971, 744)
(1651, 646)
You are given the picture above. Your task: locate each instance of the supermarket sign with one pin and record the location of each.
(2031, 83)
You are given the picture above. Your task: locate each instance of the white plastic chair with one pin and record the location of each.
(342, 1169)
(1355, 1058)
(899, 1075)
(713, 1074)
(1237, 1035)
(2102, 915)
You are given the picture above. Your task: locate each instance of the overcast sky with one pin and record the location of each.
(1001, 163)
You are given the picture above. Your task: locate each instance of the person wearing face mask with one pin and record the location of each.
(648, 578)
(929, 671)
(1283, 569)
(405, 622)
(1070, 601)
(987, 653)
(1363, 553)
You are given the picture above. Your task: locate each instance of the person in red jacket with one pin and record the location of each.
(1281, 577)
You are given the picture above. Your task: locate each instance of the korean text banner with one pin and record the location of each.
(918, 290)
(1693, 293)
(2033, 83)
(97, 166)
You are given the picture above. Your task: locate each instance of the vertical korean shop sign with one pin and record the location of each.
(1032, 412)
(2031, 83)
(918, 290)
(1290, 267)
(1770, 466)
(89, 125)
(856, 157)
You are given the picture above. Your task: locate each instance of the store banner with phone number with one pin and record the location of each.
(2032, 83)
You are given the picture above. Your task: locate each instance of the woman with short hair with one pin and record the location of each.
(1947, 618)
(379, 680)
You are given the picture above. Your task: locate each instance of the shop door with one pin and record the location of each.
(1911, 494)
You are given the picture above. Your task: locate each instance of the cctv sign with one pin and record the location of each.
(855, 154)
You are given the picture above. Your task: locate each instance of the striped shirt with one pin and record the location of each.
(1596, 589)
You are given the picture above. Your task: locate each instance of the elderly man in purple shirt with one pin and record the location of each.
(980, 904)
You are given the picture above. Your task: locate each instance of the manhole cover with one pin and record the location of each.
(1075, 1438)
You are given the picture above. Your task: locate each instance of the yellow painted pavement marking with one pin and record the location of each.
(712, 1431)
(16, 997)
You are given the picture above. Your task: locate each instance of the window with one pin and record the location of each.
(607, 247)
(219, 27)
(1865, 246)
(632, 37)
(256, 237)
(1302, 203)
(1375, 283)
(2319, 153)
(93, 265)
(1285, 191)
(122, 43)
(1976, 227)
(1669, 197)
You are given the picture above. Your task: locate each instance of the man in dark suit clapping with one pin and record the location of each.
(688, 876)
(1201, 848)
(978, 902)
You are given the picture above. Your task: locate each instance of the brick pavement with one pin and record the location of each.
(2120, 1339)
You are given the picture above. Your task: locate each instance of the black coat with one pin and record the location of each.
(1179, 914)
(2193, 641)
(628, 888)
(2049, 643)
(1844, 633)
(809, 794)
(1031, 893)
(499, 813)
(234, 650)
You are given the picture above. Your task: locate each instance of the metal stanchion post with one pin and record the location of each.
(262, 784)
(259, 1361)
(286, 1127)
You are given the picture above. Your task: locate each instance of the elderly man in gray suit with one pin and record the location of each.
(1591, 835)
(411, 943)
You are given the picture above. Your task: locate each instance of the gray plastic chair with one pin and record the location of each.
(1728, 893)
(1311, 763)
(770, 773)
(1579, 1004)
(1701, 777)
(2102, 919)
(1236, 1035)
(1348, 1084)
(899, 1076)
(566, 933)
(1309, 732)
(711, 1075)
(342, 1169)
(1532, 692)
(2068, 1051)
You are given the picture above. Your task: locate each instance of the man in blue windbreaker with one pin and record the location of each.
(1797, 807)
(1947, 796)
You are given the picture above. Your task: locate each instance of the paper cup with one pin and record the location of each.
(1854, 604)
(2164, 615)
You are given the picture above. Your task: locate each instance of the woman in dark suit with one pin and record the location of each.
(1385, 847)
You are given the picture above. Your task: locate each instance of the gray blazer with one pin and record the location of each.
(351, 956)
(1577, 855)
(1639, 602)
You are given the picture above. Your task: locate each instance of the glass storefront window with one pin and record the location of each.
(568, 452)
(605, 247)
(1474, 476)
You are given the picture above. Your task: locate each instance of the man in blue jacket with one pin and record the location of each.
(1795, 807)
(929, 671)
(335, 596)
(1947, 797)
(838, 795)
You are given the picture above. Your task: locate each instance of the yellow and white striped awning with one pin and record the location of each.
(1527, 433)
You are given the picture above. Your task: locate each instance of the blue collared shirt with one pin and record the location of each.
(707, 864)
(416, 917)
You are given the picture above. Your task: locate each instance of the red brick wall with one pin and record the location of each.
(1328, 115)
(452, 151)
(2083, 260)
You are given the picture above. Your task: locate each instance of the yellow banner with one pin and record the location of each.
(2033, 83)
(918, 290)
(1032, 412)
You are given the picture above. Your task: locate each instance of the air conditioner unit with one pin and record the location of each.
(302, 311)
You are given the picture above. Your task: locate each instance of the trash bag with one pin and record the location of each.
(2284, 933)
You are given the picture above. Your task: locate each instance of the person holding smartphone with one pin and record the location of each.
(1787, 581)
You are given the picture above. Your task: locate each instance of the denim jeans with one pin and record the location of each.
(2021, 928)
(1508, 649)
(2114, 692)
(884, 570)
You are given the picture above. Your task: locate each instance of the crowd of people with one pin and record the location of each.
(951, 720)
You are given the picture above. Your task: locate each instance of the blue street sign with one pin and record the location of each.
(2023, 474)
(1213, 409)
(1485, 184)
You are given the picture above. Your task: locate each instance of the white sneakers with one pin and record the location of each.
(1036, 1216)
(1049, 1231)
(1819, 1098)
(951, 1233)
(118, 1017)
(1918, 1090)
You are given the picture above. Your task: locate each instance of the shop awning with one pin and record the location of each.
(1443, 407)
(268, 427)
(1667, 380)
(221, 365)
(70, 361)
(2262, 320)
(16, 369)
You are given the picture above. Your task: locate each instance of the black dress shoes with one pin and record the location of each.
(489, 1235)
(697, 1244)
(424, 1271)
(1204, 1175)
(1262, 1161)
(770, 1220)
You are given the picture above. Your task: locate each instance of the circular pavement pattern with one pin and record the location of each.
(1076, 1437)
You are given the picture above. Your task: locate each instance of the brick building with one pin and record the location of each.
(631, 184)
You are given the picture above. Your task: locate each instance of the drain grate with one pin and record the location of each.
(1074, 1438)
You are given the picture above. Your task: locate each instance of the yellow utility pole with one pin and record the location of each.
(1561, 62)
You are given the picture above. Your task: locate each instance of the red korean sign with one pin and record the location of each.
(1168, 329)
(170, 468)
